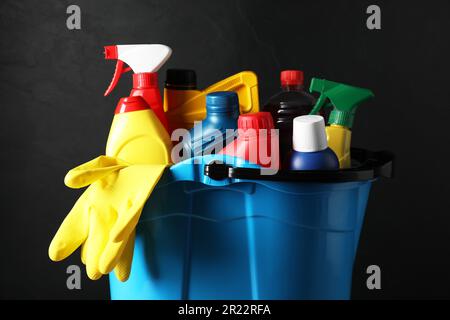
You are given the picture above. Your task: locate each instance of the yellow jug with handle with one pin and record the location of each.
(184, 103)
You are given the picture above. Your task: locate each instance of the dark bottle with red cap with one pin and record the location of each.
(256, 142)
(291, 102)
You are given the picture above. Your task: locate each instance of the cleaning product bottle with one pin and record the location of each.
(180, 86)
(257, 142)
(103, 219)
(291, 102)
(345, 100)
(310, 146)
(222, 112)
(184, 103)
(136, 135)
(144, 60)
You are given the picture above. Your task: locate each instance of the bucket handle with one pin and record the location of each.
(371, 165)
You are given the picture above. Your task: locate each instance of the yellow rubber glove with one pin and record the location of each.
(103, 219)
(93, 170)
(105, 216)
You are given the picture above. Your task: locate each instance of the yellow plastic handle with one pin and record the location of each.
(245, 84)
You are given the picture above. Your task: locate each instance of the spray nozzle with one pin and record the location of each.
(140, 58)
(110, 52)
(344, 98)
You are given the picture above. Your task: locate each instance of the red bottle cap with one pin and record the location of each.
(145, 80)
(291, 77)
(257, 121)
(255, 142)
(129, 104)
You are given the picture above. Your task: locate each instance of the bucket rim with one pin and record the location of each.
(371, 165)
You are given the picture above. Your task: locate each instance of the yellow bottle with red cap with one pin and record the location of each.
(144, 60)
(119, 183)
(137, 135)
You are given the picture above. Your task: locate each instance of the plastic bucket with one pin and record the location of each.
(224, 231)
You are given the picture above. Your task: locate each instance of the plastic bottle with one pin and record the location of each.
(184, 103)
(291, 102)
(310, 146)
(180, 86)
(222, 112)
(344, 100)
(256, 141)
(136, 135)
(144, 60)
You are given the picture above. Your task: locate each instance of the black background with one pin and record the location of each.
(54, 115)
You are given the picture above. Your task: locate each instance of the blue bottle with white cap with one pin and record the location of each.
(222, 112)
(311, 151)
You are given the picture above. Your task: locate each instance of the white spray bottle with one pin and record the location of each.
(144, 60)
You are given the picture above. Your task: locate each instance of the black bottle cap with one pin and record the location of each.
(181, 79)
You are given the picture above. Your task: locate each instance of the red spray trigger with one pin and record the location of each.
(111, 53)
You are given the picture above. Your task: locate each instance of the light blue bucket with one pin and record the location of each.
(237, 238)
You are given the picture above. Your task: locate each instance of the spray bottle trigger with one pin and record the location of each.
(117, 73)
(321, 102)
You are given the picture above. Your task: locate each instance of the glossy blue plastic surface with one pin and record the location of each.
(222, 112)
(320, 160)
(200, 238)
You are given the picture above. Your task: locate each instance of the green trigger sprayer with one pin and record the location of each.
(344, 100)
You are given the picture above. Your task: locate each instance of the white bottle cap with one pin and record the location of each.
(309, 134)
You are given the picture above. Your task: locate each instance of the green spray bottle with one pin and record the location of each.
(344, 100)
